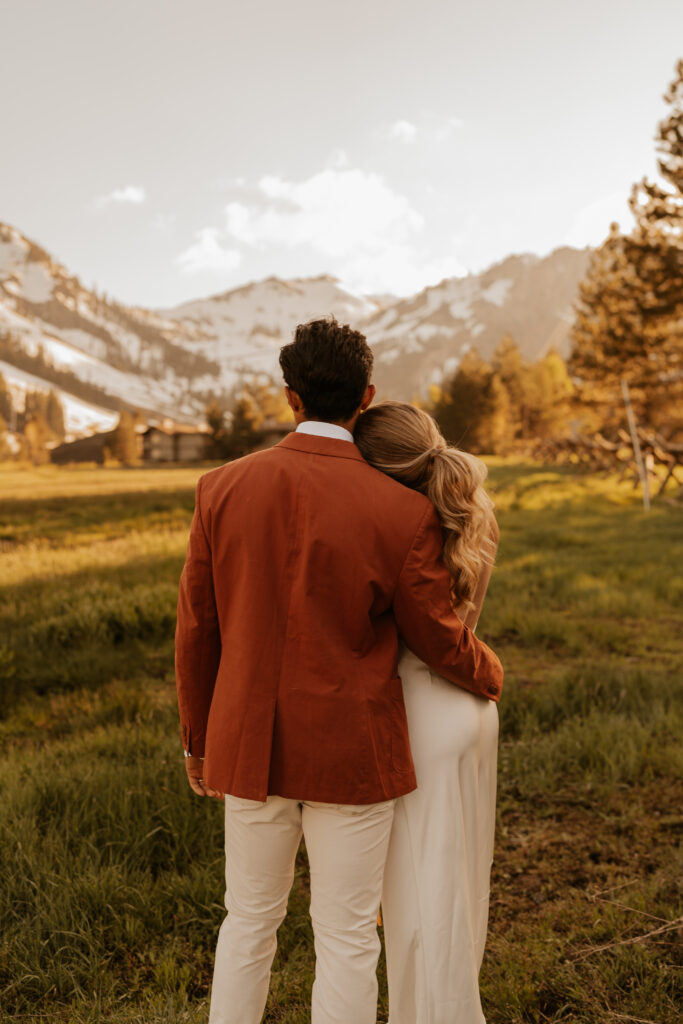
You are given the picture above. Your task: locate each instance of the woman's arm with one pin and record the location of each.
(426, 620)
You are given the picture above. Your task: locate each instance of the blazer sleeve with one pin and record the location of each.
(197, 637)
(430, 626)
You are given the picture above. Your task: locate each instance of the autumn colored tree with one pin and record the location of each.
(268, 403)
(506, 405)
(4, 446)
(37, 433)
(215, 420)
(35, 402)
(472, 410)
(242, 436)
(256, 405)
(509, 365)
(124, 442)
(6, 404)
(494, 434)
(548, 392)
(54, 414)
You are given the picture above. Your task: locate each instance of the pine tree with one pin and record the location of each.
(509, 365)
(659, 217)
(124, 444)
(462, 401)
(35, 402)
(36, 434)
(495, 435)
(269, 403)
(473, 411)
(493, 409)
(665, 205)
(4, 447)
(670, 134)
(54, 414)
(548, 391)
(243, 435)
(6, 407)
(629, 321)
(215, 419)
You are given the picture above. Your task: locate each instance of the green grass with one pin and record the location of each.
(111, 872)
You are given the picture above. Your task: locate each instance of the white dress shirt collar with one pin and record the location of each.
(321, 429)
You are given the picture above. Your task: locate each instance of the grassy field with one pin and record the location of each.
(111, 880)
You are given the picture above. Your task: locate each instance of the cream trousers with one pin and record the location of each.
(347, 848)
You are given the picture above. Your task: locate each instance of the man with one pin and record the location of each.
(303, 564)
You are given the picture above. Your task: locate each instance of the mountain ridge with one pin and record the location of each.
(173, 360)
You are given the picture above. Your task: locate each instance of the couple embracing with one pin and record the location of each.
(331, 686)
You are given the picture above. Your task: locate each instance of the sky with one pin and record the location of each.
(165, 151)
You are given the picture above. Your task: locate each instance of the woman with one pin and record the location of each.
(436, 883)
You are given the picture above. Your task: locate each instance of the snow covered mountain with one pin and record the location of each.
(103, 356)
(99, 355)
(244, 329)
(417, 341)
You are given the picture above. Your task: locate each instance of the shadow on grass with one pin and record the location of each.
(87, 629)
(57, 518)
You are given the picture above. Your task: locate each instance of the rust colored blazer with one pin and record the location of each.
(303, 564)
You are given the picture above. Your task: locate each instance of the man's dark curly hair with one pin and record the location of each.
(328, 365)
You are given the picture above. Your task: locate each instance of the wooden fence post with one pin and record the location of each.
(636, 443)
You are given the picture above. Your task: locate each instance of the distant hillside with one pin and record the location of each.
(415, 340)
(126, 356)
(243, 330)
(418, 340)
(102, 356)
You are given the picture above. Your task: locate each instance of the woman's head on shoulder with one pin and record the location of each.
(405, 442)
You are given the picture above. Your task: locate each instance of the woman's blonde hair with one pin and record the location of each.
(405, 442)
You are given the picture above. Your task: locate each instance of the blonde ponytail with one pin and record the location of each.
(406, 443)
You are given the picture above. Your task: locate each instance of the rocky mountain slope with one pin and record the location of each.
(97, 352)
(419, 340)
(102, 355)
(242, 330)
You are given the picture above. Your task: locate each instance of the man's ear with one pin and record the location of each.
(368, 397)
(293, 400)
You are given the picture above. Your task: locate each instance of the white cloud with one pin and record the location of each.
(400, 270)
(428, 127)
(345, 221)
(336, 211)
(404, 131)
(207, 254)
(591, 224)
(130, 194)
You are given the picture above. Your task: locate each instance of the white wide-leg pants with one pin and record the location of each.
(347, 848)
(435, 899)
